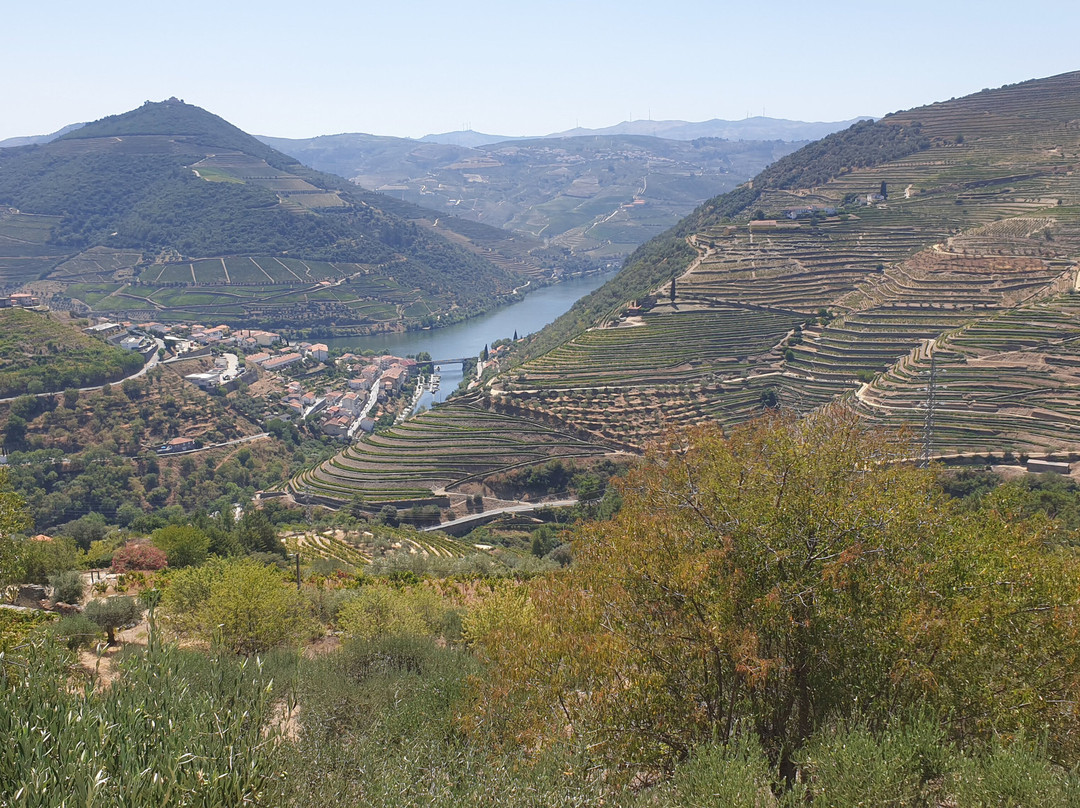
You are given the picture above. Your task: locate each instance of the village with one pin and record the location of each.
(339, 395)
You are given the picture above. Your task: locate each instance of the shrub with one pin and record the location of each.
(67, 587)
(378, 611)
(183, 545)
(139, 555)
(38, 560)
(75, 631)
(246, 606)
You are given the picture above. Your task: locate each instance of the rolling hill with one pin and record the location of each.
(923, 262)
(599, 195)
(168, 212)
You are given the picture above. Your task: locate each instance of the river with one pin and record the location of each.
(468, 338)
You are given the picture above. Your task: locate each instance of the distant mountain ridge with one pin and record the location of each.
(755, 128)
(466, 137)
(32, 140)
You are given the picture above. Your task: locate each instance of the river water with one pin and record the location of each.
(468, 338)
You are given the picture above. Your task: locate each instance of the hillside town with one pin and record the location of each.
(339, 395)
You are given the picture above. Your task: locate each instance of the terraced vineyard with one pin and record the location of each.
(292, 191)
(962, 246)
(934, 292)
(358, 549)
(423, 459)
(272, 288)
(1005, 383)
(666, 346)
(25, 252)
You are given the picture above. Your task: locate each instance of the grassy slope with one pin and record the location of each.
(37, 348)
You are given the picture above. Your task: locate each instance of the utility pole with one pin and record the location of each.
(931, 401)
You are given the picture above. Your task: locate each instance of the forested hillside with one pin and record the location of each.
(40, 355)
(169, 184)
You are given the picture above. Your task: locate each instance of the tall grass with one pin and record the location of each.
(378, 729)
(171, 729)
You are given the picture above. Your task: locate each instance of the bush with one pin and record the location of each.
(139, 555)
(75, 631)
(902, 765)
(38, 560)
(378, 611)
(246, 606)
(67, 587)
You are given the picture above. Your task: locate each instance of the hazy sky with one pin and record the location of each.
(413, 67)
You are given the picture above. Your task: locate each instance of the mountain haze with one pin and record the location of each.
(31, 140)
(599, 196)
(465, 137)
(756, 128)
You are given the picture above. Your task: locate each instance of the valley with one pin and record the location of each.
(655, 465)
(597, 195)
(939, 243)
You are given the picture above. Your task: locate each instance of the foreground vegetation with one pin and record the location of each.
(782, 616)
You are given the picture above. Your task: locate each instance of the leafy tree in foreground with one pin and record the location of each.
(246, 606)
(13, 519)
(184, 545)
(778, 578)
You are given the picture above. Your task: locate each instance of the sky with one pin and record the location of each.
(413, 67)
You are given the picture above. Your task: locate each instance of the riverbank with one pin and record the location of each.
(468, 338)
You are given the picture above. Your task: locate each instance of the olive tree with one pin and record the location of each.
(113, 613)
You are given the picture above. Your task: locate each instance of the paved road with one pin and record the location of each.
(523, 508)
(257, 436)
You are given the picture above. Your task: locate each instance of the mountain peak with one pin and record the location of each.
(169, 117)
(175, 118)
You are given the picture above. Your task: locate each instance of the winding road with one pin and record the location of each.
(140, 372)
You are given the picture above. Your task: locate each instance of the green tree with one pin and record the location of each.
(184, 545)
(246, 606)
(356, 506)
(256, 534)
(113, 613)
(67, 586)
(15, 430)
(388, 515)
(37, 561)
(780, 575)
(13, 519)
